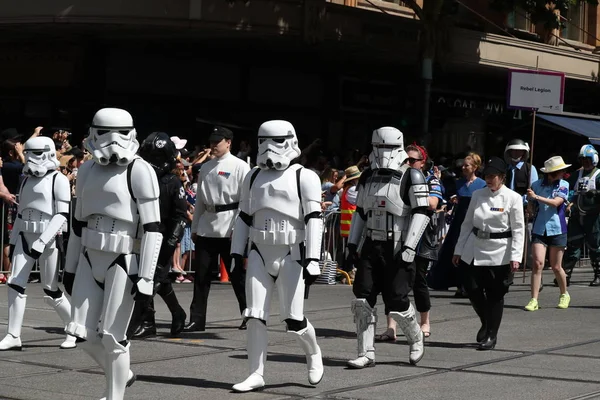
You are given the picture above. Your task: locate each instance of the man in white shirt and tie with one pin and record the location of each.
(217, 200)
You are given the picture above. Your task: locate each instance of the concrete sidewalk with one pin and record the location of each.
(547, 354)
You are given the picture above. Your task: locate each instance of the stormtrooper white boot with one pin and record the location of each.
(62, 306)
(407, 321)
(365, 318)
(94, 349)
(16, 311)
(257, 356)
(314, 360)
(117, 367)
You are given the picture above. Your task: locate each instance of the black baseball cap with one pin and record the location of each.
(219, 133)
(495, 166)
(10, 133)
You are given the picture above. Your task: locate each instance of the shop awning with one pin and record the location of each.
(588, 127)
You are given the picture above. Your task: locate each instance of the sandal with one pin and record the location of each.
(385, 337)
(426, 332)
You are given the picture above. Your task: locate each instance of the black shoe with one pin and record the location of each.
(194, 327)
(243, 326)
(487, 344)
(146, 330)
(596, 281)
(178, 322)
(482, 334)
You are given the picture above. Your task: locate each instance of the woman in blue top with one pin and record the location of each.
(548, 202)
(443, 274)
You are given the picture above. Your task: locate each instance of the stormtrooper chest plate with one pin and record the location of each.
(37, 194)
(383, 195)
(106, 192)
(277, 191)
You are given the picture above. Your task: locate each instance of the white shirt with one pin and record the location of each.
(492, 212)
(219, 183)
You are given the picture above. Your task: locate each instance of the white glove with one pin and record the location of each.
(38, 246)
(145, 286)
(408, 255)
(313, 268)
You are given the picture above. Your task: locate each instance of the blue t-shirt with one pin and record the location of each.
(550, 220)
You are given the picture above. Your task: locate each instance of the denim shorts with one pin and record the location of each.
(550, 241)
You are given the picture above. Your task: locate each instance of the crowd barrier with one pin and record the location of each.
(332, 249)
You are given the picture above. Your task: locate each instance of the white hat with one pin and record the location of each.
(554, 164)
(179, 143)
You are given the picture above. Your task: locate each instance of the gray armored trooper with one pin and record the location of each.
(392, 215)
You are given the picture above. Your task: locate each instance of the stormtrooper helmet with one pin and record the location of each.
(277, 145)
(159, 151)
(112, 138)
(40, 156)
(516, 144)
(588, 151)
(388, 148)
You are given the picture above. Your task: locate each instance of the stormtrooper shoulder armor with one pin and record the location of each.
(143, 180)
(310, 191)
(418, 190)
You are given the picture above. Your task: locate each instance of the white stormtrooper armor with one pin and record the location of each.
(391, 211)
(43, 211)
(114, 245)
(280, 219)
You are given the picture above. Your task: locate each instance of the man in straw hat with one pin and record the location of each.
(584, 221)
(549, 197)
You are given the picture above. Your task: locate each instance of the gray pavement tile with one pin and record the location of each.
(22, 391)
(460, 386)
(586, 350)
(19, 369)
(547, 366)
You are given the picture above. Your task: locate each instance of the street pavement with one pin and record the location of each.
(547, 354)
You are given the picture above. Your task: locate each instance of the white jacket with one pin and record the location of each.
(492, 212)
(219, 183)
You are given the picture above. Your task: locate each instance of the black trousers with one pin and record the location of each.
(420, 288)
(486, 287)
(379, 272)
(206, 261)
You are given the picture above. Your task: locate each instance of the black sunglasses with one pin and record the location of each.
(411, 160)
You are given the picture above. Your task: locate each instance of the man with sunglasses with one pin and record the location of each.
(584, 222)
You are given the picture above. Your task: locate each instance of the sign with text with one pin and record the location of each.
(539, 90)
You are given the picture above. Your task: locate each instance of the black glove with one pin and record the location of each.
(351, 257)
(35, 254)
(137, 296)
(68, 279)
(238, 262)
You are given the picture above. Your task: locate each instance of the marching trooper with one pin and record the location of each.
(392, 214)
(44, 200)
(584, 221)
(114, 244)
(159, 150)
(280, 219)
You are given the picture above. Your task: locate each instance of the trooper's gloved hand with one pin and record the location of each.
(142, 289)
(311, 271)
(351, 257)
(37, 248)
(408, 255)
(236, 261)
(68, 279)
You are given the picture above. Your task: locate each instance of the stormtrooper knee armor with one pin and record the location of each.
(280, 220)
(114, 244)
(391, 211)
(44, 199)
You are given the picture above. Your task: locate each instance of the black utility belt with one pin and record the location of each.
(221, 208)
(489, 235)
